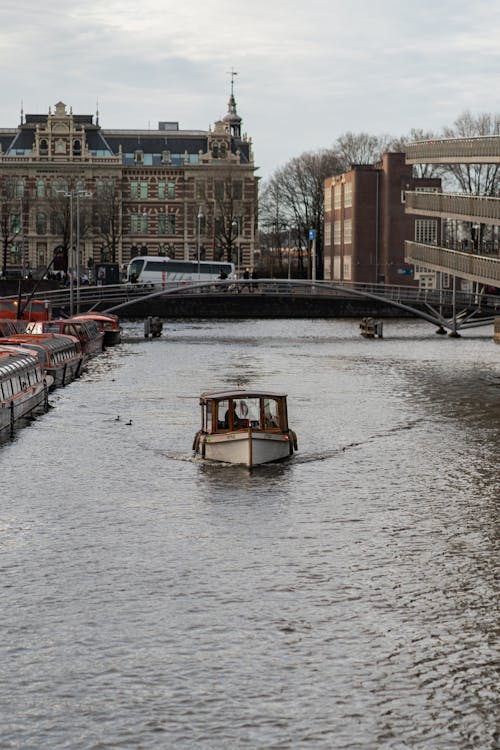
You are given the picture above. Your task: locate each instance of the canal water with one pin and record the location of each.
(347, 598)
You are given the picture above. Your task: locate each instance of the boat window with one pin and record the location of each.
(271, 413)
(223, 415)
(246, 412)
(208, 417)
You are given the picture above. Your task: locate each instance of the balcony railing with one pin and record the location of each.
(485, 270)
(477, 208)
(480, 150)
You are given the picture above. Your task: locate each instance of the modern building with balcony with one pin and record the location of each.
(162, 191)
(470, 262)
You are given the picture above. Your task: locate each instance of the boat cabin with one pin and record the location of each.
(229, 411)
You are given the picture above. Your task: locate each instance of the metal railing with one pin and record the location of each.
(484, 270)
(479, 150)
(480, 208)
(120, 295)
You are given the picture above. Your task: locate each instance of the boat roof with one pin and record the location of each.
(50, 342)
(240, 393)
(11, 361)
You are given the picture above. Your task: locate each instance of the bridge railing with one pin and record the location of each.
(463, 207)
(106, 297)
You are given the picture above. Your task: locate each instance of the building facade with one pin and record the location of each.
(366, 224)
(65, 181)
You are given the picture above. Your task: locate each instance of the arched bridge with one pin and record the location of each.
(445, 308)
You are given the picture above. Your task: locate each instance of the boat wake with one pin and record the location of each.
(298, 458)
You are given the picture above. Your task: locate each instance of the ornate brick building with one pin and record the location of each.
(117, 193)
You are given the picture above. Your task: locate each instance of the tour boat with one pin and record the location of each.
(86, 331)
(34, 309)
(244, 427)
(108, 323)
(61, 356)
(23, 388)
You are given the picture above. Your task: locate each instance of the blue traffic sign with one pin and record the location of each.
(312, 234)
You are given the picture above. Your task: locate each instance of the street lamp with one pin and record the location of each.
(200, 218)
(72, 195)
(235, 225)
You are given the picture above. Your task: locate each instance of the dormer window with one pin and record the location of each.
(139, 157)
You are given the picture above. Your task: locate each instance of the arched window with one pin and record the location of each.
(44, 147)
(215, 150)
(77, 148)
(222, 150)
(40, 188)
(41, 223)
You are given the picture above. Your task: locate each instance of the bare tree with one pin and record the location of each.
(12, 212)
(227, 219)
(106, 217)
(294, 198)
(360, 148)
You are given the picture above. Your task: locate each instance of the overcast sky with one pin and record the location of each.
(308, 70)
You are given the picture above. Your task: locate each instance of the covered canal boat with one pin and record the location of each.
(244, 427)
(23, 388)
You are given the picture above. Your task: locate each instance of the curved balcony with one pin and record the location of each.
(485, 270)
(479, 150)
(475, 208)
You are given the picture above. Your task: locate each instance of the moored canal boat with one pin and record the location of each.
(61, 356)
(108, 323)
(86, 331)
(244, 427)
(23, 388)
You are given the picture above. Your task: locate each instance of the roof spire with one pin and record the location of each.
(232, 116)
(22, 111)
(97, 111)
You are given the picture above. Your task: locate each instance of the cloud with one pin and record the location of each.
(307, 71)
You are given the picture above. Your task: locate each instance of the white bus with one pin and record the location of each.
(158, 270)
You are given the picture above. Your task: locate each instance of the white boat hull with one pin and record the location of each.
(246, 448)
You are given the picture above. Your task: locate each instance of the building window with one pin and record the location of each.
(161, 190)
(347, 232)
(170, 223)
(20, 189)
(347, 194)
(99, 188)
(237, 190)
(426, 231)
(328, 199)
(200, 190)
(133, 223)
(143, 190)
(144, 223)
(336, 233)
(41, 223)
(77, 148)
(15, 224)
(40, 188)
(219, 190)
(171, 191)
(161, 223)
(134, 189)
(328, 233)
(44, 147)
(337, 196)
(215, 150)
(347, 268)
(139, 157)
